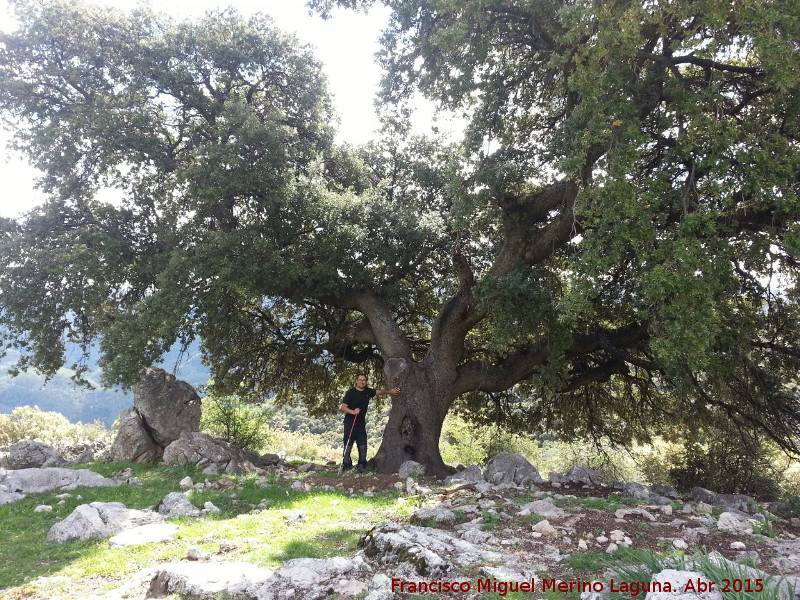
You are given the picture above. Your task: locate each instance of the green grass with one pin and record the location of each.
(333, 524)
(588, 562)
(765, 527)
(611, 503)
(720, 570)
(490, 520)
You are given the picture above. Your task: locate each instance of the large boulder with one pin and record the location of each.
(207, 581)
(471, 474)
(210, 454)
(15, 484)
(725, 501)
(133, 442)
(583, 476)
(29, 454)
(176, 504)
(100, 520)
(163, 408)
(510, 468)
(168, 405)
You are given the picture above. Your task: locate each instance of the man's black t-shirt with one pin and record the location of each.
(355, 399)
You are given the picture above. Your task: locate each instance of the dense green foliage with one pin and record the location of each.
(611, 252)
(32, 423)
(236, 421)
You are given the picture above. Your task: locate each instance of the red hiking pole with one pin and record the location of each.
(347, 444)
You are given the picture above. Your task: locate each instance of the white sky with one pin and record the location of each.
(346, 45)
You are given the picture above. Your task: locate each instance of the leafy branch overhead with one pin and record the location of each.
(611, 251)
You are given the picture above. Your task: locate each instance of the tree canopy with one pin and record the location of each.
(612, 250)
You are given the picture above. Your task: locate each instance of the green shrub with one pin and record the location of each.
(235, 420)
(611, 462)
(32, 423)
(720, 461)
(465, 443)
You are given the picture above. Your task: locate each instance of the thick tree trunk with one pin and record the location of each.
(415, 420)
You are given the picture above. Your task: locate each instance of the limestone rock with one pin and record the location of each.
(730, 523)
(15, 484)
(545, 508)
(207, 581)
(471, 474)
(583, 476)
(510, 468)
(29, 454)
(100, 520)
(424, 551)
(311, 578)
(168, 405)
(9, 497)
(163, 408)
(411, 468)
(176, 504)
(664, 490)
(545, 529)
(678, 581)
(133, 442)
(625, 512)
(201, 450)
(145, 534)
(729, 501)
(635, 490)
(440, 516)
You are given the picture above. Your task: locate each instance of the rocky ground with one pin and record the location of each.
(497, 526)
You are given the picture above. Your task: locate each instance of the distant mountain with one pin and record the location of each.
(77, 403)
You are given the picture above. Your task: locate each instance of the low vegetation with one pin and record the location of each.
(292, 524)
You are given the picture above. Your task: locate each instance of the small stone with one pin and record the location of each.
(398, 485)
(601, 539)
(612, 547)
(738, 546)
(666, 509)
(43, 508)
(186, 482)
(704, 508)
(556, 484)
(194, 554)
(582, 545)
(209, 508)
(545, 528)
(617, 535)
(680, 544)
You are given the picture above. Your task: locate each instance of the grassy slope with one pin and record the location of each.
(332, 526)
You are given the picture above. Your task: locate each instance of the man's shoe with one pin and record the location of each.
(361, 468)
(347, 466)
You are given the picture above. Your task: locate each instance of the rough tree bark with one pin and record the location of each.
(415, 418)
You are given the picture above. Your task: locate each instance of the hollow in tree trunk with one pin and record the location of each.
(415, 421)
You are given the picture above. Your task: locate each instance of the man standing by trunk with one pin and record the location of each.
(355, 404)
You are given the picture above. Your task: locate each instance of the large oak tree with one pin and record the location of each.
(615, 242)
